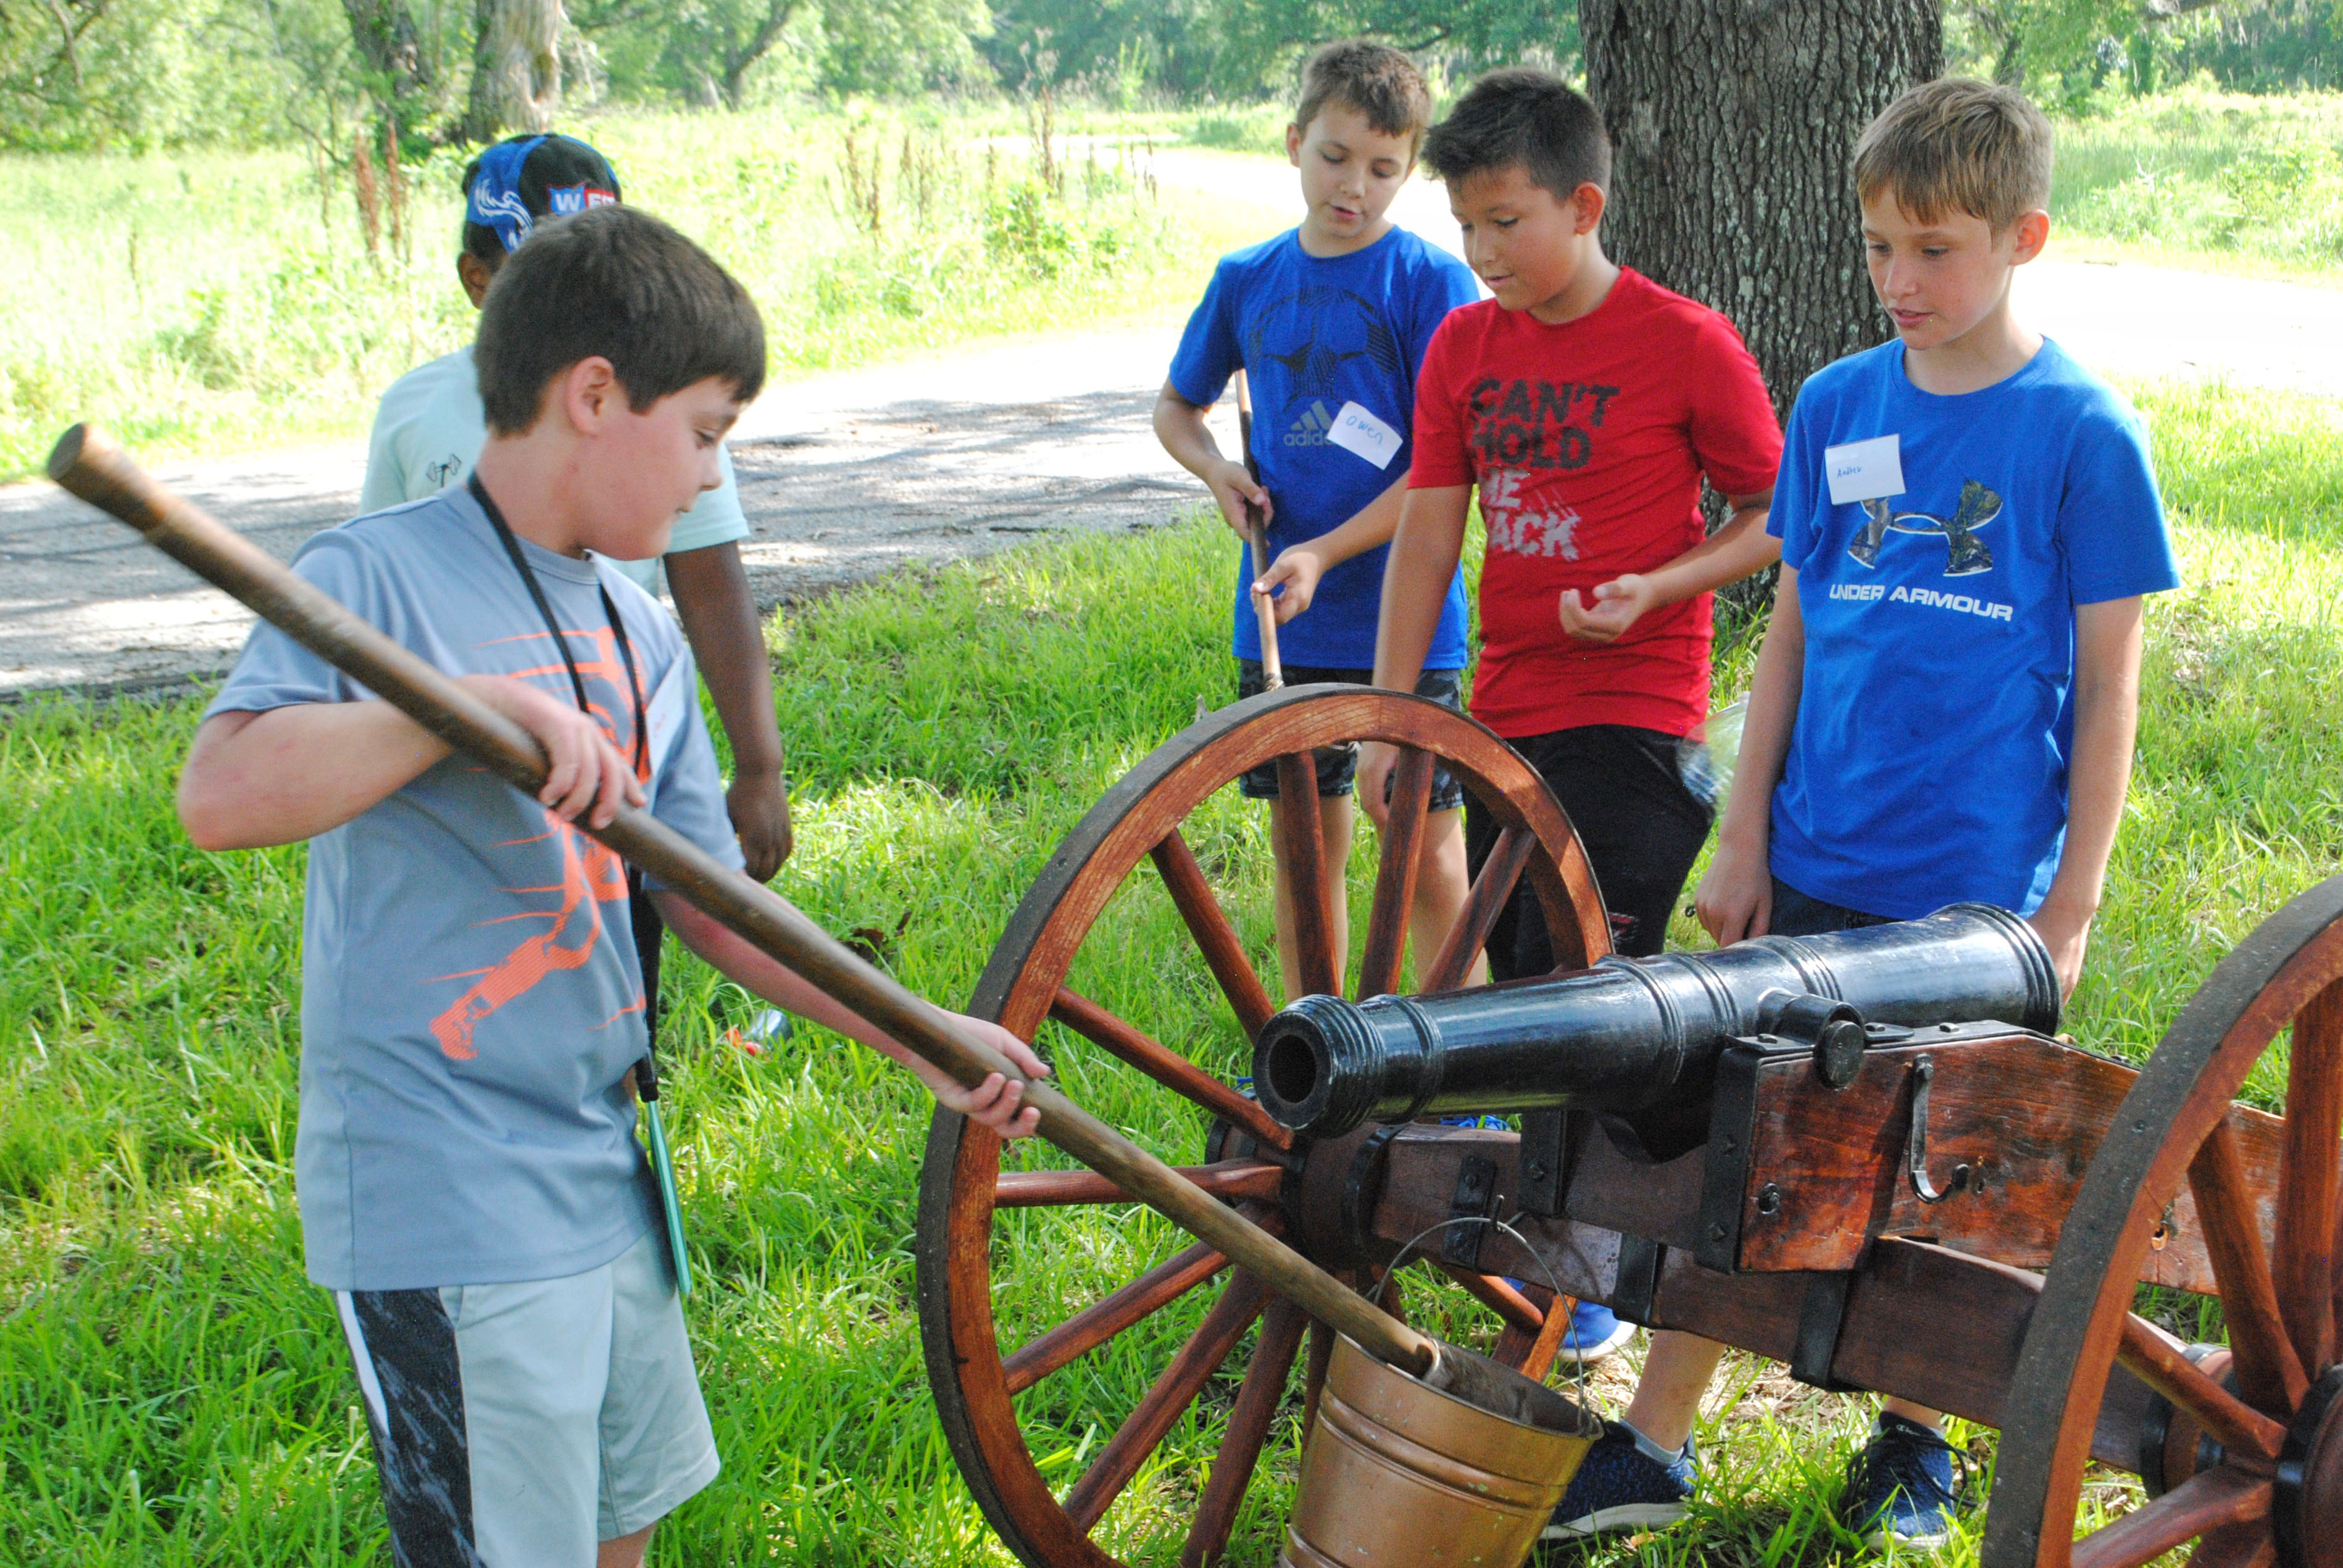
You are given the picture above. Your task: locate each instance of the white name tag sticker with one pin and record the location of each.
(1356, 430)
(664, 717)
(1864, 470)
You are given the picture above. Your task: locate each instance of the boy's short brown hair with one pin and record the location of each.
(615, 282)
(1961, 146)
(1373, 78)
(1523, 118)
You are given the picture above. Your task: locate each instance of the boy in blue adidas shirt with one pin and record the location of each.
(1332, 315)
(1946, 699)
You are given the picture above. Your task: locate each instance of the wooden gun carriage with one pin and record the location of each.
(1866, 1157)
(1731, 1144)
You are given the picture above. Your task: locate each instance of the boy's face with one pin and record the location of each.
(1527, 244)
(1941, 280)
(640, 471)
(1350, 174)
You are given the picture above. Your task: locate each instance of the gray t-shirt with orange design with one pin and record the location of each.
(471, 1001)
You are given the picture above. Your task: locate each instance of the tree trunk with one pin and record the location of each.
(1734, 121)
(516, 67)
(398, 72)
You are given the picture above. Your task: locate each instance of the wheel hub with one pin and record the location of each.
(2307, 1512)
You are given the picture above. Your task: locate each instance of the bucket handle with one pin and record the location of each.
(1553, 1281)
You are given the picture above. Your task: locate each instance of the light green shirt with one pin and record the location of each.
(431, 425)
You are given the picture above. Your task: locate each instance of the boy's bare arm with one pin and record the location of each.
(254, 779)
(2107, 720)
(1736, 898)
(1180, 425)
(1425, 548)
(994, 1102)
(1297, 571)
(720, 617)
(1742, 547)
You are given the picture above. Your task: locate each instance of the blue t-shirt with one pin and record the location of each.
(1928, 763)
(1311, 334)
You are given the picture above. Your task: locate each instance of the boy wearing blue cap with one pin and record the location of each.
(429, 427)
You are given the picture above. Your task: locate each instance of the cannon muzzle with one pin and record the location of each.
(1630, 1034)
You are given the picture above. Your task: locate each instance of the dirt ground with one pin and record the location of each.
(846, 476)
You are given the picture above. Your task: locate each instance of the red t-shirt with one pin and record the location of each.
(1588, 441)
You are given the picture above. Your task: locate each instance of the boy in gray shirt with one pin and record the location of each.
(470, 1185)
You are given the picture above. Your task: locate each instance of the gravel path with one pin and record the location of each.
(846, 476)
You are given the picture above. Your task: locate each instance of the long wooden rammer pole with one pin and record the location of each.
(91, 466)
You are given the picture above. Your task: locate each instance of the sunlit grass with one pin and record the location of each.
(206, 302)
(172, 1392)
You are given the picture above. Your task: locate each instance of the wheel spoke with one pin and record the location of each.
(2304, 1262)
(1482, 904)
(2270, 1374)
(1166, 1067)
(1063, 1189)
(2158, 1361)
(1532, 1354)
(1223, 953)
(2224, 1495)
(1094, 1325)
(1395, 873)
(1313, 1372)
(2238, 1546)
(1087, 1500)
(1495, 1293)
(1248, 1422)
(1303, 852)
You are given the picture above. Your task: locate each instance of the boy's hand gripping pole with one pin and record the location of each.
(1265, 608)
(92, 466)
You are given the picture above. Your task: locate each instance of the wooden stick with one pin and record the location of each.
(90, 465)
(1265, 608)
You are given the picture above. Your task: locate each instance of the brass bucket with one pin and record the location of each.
(1398, 1473)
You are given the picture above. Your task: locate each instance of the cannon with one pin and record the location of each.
(1640, 1035)
(1868, 1156)
(1729, 1145)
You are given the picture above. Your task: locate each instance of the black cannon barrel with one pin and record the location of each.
(1632, 1033)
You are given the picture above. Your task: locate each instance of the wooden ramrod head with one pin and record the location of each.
(1631, 1034)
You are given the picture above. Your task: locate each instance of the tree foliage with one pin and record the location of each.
(1260, 39)
(81, 73)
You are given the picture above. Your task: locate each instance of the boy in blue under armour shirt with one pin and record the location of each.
(1946, 703)
(1332, 316)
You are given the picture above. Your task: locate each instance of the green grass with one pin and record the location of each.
(2201, 178)
(172, 1392)
(206, 302)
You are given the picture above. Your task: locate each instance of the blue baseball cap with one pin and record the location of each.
(523, 179)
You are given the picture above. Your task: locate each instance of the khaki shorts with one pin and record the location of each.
(519, 1425)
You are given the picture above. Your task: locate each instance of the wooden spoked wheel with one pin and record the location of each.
(996, 1401)
(2265, 1486)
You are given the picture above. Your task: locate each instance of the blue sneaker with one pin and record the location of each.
(1595, 1332)
(1626, 1482)
(1900, 1489)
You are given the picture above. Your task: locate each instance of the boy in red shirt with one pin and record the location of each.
(1587, 404)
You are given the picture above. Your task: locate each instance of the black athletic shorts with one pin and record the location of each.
(1338, 766)
(1625, 791)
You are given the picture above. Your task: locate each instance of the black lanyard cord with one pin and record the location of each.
(553, 628)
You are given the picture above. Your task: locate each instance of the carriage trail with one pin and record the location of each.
(848, 476)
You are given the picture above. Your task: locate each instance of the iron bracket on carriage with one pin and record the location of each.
(1867, 1156)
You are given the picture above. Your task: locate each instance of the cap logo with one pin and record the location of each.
(578, 197)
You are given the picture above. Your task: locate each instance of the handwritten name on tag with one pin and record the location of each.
(1356, 430)
(1864, 470)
